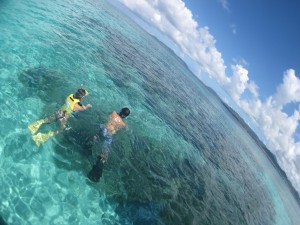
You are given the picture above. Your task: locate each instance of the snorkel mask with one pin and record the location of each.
(81, 93)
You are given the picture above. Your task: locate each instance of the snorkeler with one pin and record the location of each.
(70, 108)
(115, 123)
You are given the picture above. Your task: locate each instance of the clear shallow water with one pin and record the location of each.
(184, 159)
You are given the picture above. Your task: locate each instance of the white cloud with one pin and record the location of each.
(278, 127)
(237, 82)
(253, 88)
(289, 90)
(172, 18)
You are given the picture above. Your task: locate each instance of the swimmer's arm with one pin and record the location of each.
(80, 107)
(123, 125)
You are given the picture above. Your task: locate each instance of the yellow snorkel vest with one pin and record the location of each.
(69, 105)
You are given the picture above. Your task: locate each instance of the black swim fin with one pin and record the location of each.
(96, 172)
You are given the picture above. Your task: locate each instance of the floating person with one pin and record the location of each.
(115, 123)
(70, 108)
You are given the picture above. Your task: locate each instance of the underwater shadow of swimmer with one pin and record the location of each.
(74, 151)
(147, 193)
(140, 176)
(44, 83)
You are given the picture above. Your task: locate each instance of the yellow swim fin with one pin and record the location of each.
(33, 127)
(39, 138)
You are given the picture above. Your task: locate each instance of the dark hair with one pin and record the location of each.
(124, 112)
(80, 93)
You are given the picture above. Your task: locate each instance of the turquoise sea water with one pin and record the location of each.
(184, 159)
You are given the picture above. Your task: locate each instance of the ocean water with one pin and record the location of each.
(184, 158)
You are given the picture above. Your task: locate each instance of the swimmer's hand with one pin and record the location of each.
(85, 107)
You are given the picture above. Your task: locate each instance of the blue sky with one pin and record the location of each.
(264, 33)
(248, 49)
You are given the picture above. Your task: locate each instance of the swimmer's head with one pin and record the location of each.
(124, 112)
(81, 93)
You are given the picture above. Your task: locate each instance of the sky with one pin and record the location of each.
(250, 50)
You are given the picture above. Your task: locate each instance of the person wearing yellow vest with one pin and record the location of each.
(70, 108)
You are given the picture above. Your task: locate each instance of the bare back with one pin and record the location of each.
(114, 123)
